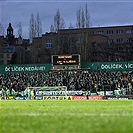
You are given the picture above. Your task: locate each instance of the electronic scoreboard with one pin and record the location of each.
(65, 61)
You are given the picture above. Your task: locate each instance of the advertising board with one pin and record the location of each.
(120, 97)
(25, 68)
(79, 98)
(57, 98)
(95, 98)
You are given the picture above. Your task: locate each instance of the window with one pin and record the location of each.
(94, 54)
(8, 61)
(129, 40)
(128, 49)
(120, 49)
(94, 44)
(119, 40)
(117, 59)
(39, 46)
(48, 43)
(9, 50)
(92, 32)
(109, 32)
(1, 56)
(109, 58)
(129, 31)
(99, 32)
(110, 41)
(119, 31)
(8, 55)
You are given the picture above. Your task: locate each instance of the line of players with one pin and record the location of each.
(6, 93)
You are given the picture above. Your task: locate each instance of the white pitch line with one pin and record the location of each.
(69, 114)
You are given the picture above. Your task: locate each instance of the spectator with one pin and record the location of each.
(73, 79)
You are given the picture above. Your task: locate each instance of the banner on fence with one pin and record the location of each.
(58, 93)
(25, 68)
(57, 98)
(95, 97)
(79, 98)
(120, 97)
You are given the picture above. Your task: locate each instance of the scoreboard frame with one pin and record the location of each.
(65, 61)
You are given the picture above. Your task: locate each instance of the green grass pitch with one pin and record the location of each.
(79, 116)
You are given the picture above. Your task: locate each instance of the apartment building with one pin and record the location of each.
(64, 42)
(116, 34)
(6, 52)
(111, 43)
(93, 44)
(9, 44)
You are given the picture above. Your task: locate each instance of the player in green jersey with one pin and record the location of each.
(13, 93)
(7, 93)
(3, 93)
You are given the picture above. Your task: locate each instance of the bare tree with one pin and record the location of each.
(84, 38)
(87, 17)
(32, 28)
(62, 25)
(59, 22)
(78, 15)
(19, 27)
(71, 26)
(1, 30)
(52, 28)
(106, 52)
(38, 26)
(35, 30)
(82, 19)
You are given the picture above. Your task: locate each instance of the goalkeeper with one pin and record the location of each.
(32, 94)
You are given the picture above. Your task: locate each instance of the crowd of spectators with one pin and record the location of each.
(73, 79)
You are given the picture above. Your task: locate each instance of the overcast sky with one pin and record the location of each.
(102, 12)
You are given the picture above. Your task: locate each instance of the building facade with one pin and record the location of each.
(116, 34)
(96, 44)
(113, 43)
(6, 52)
(11, 46)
